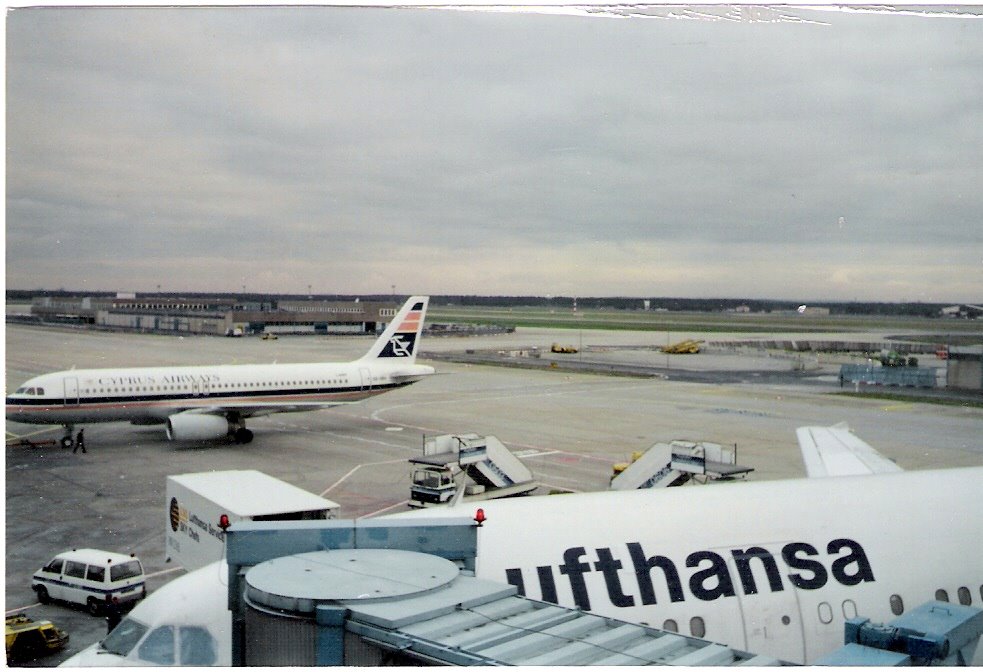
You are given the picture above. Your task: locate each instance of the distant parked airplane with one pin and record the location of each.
(200, 403)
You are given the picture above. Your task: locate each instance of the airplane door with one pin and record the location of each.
(366, 375)
(772, 620)
(71, 391)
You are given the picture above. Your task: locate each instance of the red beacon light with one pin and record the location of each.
(223, 522)
(479, 517)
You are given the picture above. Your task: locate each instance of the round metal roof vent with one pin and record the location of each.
(298, 583)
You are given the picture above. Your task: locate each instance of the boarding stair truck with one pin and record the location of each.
(480, 465)
(201, 506)
(676, 463)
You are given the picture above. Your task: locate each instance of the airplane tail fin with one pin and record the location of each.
(836, 451)
(401, 339)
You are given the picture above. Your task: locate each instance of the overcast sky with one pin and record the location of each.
(836, 157)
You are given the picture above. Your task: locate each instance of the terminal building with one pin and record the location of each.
(217, 316)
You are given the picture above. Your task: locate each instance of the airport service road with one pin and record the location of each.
(570, 429)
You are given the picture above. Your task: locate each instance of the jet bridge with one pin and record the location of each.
(400, 592)
(376, 592)
(676, 463)
(479, 467)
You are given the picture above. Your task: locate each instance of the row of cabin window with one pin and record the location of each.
(964, 595)
(217, 386)
(697, 626)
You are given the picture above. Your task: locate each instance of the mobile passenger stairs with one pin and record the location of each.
(676, 463)
(467, 465)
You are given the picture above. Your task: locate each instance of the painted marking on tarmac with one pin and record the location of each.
(20, 609)
(533, 452)
(897, 407)
(44, 430)
(405, 502)
(162, 572)
(353, 470)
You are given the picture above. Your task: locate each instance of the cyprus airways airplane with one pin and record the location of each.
(200, 403)
(772, 567)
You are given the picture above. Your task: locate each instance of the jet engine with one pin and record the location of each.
(196, 427)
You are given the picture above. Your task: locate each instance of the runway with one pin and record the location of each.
(570, 429)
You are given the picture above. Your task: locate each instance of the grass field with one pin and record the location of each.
(967, 331)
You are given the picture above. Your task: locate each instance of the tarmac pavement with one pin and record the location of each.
(569, 427)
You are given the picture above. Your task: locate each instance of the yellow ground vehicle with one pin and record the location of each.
(687, 347)
(27, 639)
(565, 349)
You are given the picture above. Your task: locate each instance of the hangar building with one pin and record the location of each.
(218, 316)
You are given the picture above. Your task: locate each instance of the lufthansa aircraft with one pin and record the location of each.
(200, 403)
(773, 567)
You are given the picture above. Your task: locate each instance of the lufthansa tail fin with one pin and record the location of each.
(401, 339)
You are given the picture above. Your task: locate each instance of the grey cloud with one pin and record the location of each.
(286, 136)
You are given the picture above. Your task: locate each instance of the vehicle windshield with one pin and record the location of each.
(126, 570)
(124, 637)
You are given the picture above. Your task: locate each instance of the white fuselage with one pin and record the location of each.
(151, 395)
(771, 567)
(208, 402)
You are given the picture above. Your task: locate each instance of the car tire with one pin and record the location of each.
(43, 596)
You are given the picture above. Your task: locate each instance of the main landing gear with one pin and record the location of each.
(67, 441)
(242, 435)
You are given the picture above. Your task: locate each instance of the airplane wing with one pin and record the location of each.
(836, 451)
(251, 409)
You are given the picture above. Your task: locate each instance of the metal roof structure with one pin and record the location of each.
(239, 490)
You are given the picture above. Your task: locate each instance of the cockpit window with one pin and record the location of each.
(40, 391)
(124, 636)
(158, 647)
(21, 390)
(197, 646)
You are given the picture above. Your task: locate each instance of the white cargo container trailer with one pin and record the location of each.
(196, 504)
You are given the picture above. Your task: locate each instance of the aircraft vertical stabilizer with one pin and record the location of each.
(401, 338)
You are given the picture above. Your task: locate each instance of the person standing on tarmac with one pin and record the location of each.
(79, 442)
(114, 614)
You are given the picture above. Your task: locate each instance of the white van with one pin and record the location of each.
(90, 577)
